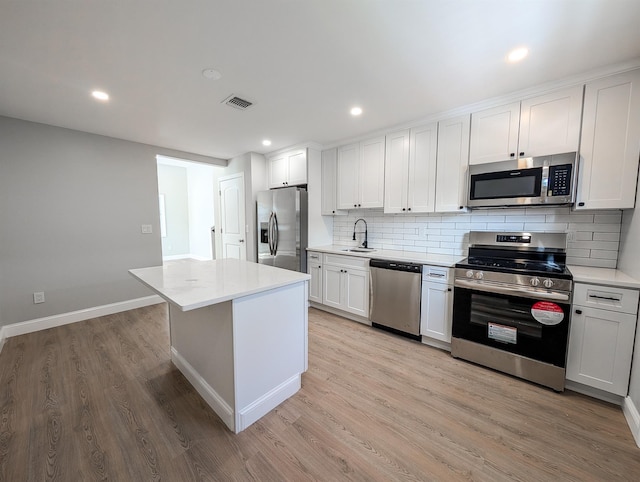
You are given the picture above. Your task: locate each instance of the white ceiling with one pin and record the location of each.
(303, 63)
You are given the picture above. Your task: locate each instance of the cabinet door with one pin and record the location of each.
(357, 292)
(348, 176)
(328, 197)
(494, 134)
(610, 145)
(372, 173)
(314, 268)
(423, 149)
(436, 312)
(332, 286)
(396, 172)
(600, 349)
(278, 168)
(550, 124)
(451, 169)
(297, 161)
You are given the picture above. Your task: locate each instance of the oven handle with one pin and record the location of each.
(526, 292)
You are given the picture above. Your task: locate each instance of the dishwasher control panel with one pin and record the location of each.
(395, 265)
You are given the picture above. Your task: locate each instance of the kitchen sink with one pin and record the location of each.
(360, 250)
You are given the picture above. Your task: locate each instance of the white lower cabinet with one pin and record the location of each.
(346, 284)
(603, 325)
(314, 268)
(437, 303)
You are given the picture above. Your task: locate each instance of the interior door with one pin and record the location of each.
(232, 214)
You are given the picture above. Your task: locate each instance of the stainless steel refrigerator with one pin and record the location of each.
(282, 228)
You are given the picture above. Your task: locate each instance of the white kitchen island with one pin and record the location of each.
(238, 332)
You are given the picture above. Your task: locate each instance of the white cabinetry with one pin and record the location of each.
(346, 283)
(361, 174)
(452, 164)
(603, 325)
(329, 165)
(610, 145)
(410, 170)
(437, 303)
(314, 268)
(288, 169)
(539, 126)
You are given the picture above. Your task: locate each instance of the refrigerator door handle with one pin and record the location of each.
(270, 233)
(275, 234)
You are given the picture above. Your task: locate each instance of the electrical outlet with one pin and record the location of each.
(38, 297)
(146, 229)
(571, 236)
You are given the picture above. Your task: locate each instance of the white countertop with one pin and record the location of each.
(603, 276)
(192, 284)
(408, 256)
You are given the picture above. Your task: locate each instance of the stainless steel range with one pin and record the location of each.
(512, 305)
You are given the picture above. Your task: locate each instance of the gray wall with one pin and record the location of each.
(71, 206)
(629, 262)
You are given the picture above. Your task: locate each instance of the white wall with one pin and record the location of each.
(71, 208)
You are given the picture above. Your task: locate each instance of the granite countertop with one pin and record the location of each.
(603, 276)
(191, 284)
(422, 258)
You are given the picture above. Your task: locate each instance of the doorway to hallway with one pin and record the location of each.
(186, 205)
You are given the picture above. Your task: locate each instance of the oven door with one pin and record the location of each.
(531, 327)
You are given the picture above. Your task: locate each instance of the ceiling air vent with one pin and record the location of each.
(237, 102)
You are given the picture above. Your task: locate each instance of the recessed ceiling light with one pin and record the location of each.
(98, 94)
(211, 74)
(266, 142)
(356, 111)
(516, 55)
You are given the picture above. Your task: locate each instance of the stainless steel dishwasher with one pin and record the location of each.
(395, 296)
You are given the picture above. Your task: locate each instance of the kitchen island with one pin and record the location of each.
(238, 332)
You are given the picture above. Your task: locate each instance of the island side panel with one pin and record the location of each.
(270, 349)
(202, 348)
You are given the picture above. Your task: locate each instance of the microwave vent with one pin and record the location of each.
(237, 102)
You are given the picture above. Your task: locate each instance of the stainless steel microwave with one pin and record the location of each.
(529, 181)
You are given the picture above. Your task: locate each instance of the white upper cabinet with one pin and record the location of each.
(361, 174)
(396, 172)
(610, 145)
(288, 169)
(494, 134)
(538, 126)
(410, 170)
(328, 199)
(451, 168)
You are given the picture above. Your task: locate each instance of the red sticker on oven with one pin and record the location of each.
(547, 313)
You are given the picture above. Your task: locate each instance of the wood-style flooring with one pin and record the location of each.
(100, 400)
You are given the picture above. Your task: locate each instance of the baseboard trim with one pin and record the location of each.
(633, 418)
(254, 411)
(343, 314)
(215, 401)
(47, 322)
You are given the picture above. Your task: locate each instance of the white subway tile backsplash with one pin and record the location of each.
(594, 235)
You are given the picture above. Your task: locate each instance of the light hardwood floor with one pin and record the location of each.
(100, 400)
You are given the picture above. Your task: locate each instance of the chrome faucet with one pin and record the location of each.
(364, 244)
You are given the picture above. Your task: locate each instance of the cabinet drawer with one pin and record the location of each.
(436, 274)
(313, 257)
(353, 261)
(622, 300)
